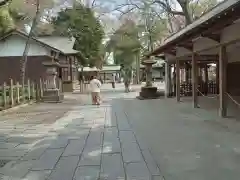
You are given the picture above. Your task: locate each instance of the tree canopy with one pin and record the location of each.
(124, 43)
(18, 13)
(4, 2)
(80, 22)
(6, 20)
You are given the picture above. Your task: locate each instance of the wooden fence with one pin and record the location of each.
(209, 88)
(205, 88)
(13, 94)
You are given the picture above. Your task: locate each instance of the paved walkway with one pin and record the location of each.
(83, 142)
(187, 143)
(123, 139)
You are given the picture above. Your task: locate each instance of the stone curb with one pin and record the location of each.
(16, 107)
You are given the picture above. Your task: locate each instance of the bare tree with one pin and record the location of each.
(24, 59)
(187, 11)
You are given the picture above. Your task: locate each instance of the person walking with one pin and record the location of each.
(113, 81)
(95, 86)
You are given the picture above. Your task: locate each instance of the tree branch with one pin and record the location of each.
(4, 2)
(168, 8)
(93, 3)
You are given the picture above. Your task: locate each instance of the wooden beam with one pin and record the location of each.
(177, 80)
(172, 52)
(214, 37)
(201, 58)
(187, 45)
(194, 80)
(222, 81)
(214, 24)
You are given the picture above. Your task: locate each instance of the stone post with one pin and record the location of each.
(148, 75)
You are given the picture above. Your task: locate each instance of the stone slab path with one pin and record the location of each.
(187, 143)
(84, 143)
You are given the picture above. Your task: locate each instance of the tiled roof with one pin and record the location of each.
(63, 44)
(104, 68)
(58, 43)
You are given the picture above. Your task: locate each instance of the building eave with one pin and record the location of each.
(203, 23)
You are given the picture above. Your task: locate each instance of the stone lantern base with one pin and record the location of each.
(52, 96)
(52, 93)
(149, 93)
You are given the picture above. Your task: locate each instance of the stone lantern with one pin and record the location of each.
(148, 91)
(148, 66)
(52, 92)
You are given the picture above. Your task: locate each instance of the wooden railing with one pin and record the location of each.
(204, 88)
(13, 94)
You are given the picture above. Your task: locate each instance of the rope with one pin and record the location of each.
(207, 96)
(235, 101)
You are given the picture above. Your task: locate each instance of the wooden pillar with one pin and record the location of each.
(186, 72)
(217, 76)
(206, 78)
(178, 80)
(167, 79)
(174, 80)
(194, 80)
(170, 80)
(71, 68)
(222, 81)
(104, 76)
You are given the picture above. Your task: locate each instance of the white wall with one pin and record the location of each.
(231, 33)
(181, 51)
(156, 73)
(169, 57)
(204, 43)
(228, 34)
(15, 44)
(233, 52)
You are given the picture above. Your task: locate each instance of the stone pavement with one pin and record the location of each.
(84, 142)
(187, 143)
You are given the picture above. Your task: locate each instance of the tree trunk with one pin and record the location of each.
(137, 69)
(23, 61)
(185, 9)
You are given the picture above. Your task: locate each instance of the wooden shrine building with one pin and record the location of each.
(208, 46)
(41, 49)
